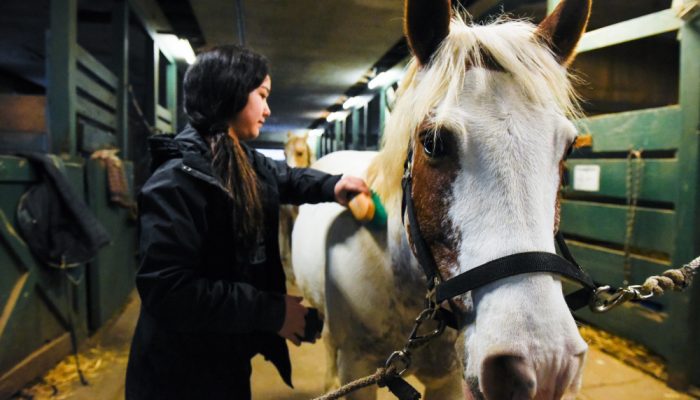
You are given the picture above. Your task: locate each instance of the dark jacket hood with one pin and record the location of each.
(188, 145)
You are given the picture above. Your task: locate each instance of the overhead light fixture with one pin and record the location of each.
(176, 47)
(314, 133)
(352, 102)
(337, 116)
(385, 78)
(357, 101)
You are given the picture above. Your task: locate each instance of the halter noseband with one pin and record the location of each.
(515, 264)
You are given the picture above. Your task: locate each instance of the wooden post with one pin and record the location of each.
(364, 126)
(685, 328)
(171, 100)
(354, 119)
(120, 36)
(61, 74)
(382, 116)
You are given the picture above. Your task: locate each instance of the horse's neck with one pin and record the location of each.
(404, 266)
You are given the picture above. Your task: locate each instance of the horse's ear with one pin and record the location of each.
(305, 135)
(426, 24)
(564, 27)
(289, 135)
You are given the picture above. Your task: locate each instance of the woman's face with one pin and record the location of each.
(247, 123)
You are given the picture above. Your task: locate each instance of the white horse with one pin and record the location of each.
(485, 110)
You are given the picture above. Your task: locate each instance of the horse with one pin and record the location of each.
(297, 153)
(485, 111)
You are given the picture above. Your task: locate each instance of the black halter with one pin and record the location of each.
(491, 271)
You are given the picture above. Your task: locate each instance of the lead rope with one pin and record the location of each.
(376, 378)
(672, 279)
(399, 361)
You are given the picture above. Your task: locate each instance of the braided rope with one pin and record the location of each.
(672, 279)
(378, 378)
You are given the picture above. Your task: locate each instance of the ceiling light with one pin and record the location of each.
(352, 102)
(176, 47)
(385, 78)
(314, 133)
(337, 116)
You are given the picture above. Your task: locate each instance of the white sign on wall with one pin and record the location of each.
(587, 178)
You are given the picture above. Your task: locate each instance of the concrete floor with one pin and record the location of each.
(605, 378)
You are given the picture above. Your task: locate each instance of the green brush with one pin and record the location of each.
(368, 210)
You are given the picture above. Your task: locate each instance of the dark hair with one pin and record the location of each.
(215, 90)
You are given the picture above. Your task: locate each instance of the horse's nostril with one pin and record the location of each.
(508, 377)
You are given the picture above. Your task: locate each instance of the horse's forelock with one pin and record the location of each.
(505, 45)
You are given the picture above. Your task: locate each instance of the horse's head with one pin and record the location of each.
(297, 151)
(486, 109)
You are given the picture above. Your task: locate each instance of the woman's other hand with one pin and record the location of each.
(294, 322)
(348, 186)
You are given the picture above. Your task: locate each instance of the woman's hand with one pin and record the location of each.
(347, 187)
(294, 322)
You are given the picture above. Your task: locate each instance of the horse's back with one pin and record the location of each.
(347, 162)
(319, 226)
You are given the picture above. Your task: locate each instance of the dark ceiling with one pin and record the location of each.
(319, 50)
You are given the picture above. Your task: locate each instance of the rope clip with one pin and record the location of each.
(416, 340)
(400, 360)
(601, 301)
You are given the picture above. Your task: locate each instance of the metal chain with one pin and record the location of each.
(399, 361)
(152, 129)
(633, 183)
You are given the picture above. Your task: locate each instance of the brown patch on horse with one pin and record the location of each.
(563, 28)
(562, 170)
(426, 24)
(431, 191)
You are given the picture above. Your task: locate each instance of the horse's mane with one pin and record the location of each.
(434, 89)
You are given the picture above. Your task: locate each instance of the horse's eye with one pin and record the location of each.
(433, 145)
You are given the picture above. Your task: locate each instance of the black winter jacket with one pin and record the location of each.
(208, 306)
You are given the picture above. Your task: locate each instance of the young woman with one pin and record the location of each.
(211, 282)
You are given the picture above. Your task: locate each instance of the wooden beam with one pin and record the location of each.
(658, 182)
(95, 90)
(36, 364)
(94, 112)
(654, 229)
(650, 129)
(97, 68)
(633, 29)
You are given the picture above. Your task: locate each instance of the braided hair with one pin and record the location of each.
(216, 88)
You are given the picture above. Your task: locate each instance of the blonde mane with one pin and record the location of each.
(434, 90)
